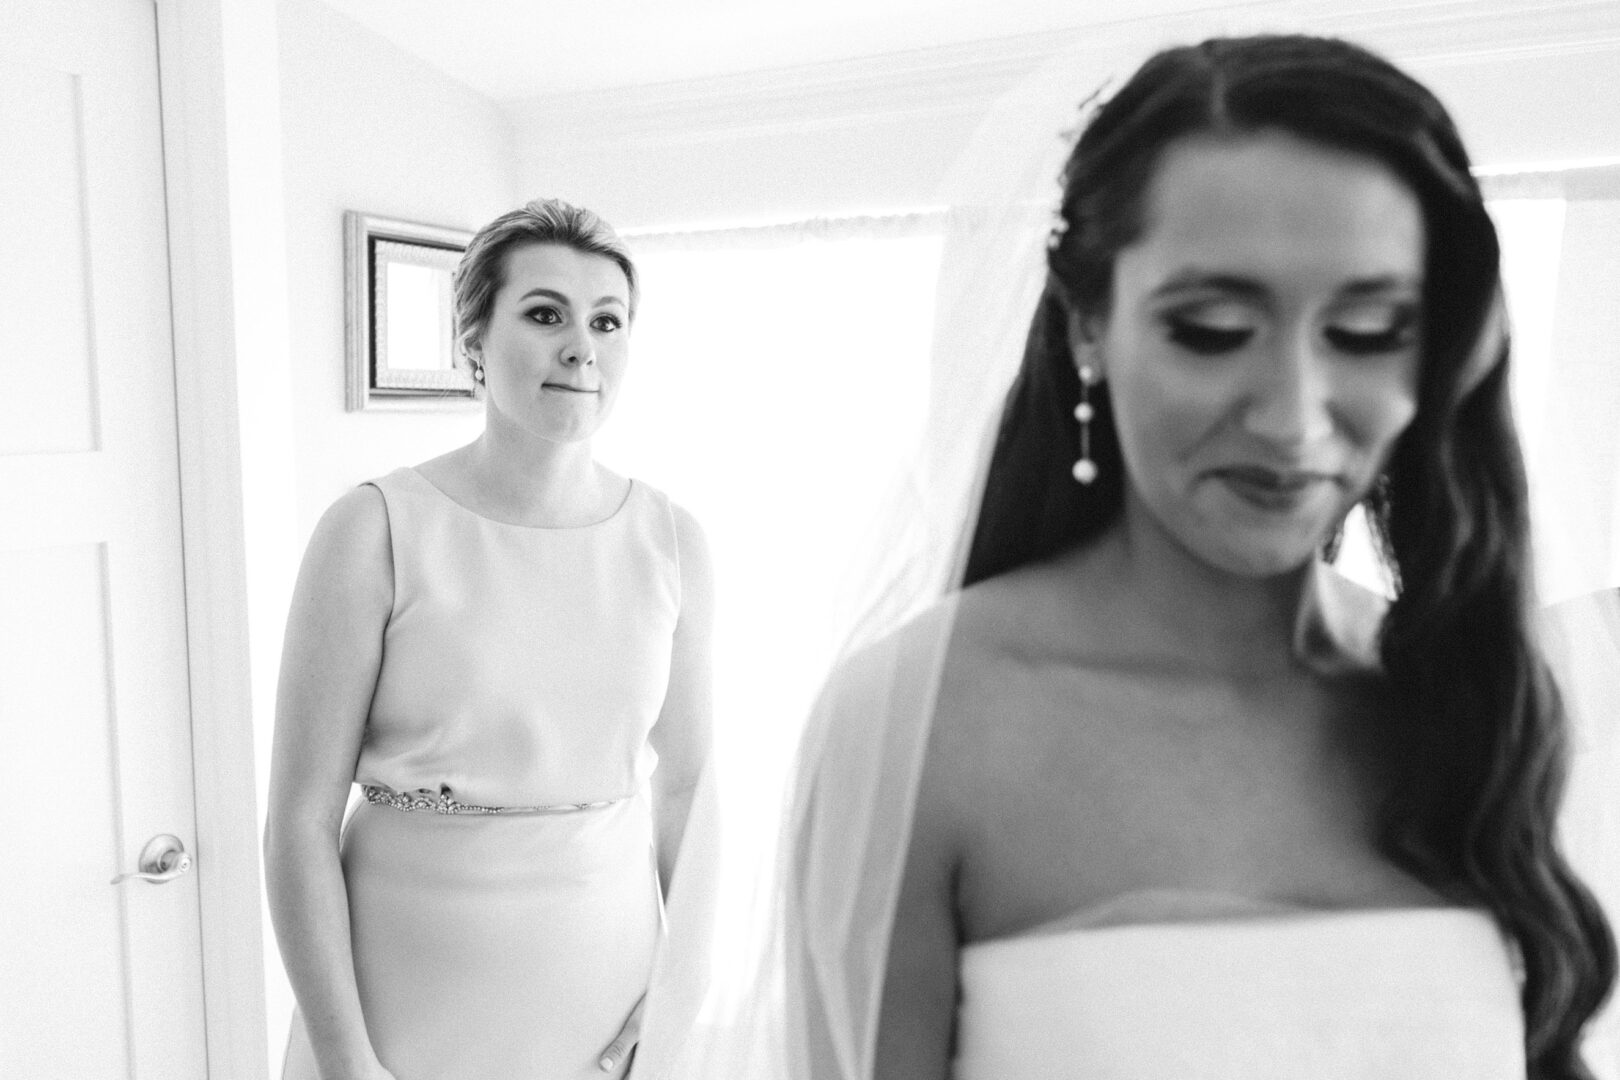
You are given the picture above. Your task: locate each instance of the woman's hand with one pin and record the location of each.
(625, 1041)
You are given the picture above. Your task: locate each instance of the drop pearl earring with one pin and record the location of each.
(1085, 470)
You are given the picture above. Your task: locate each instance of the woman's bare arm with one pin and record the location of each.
(683, 734)
(329, 666)
(916, 1027)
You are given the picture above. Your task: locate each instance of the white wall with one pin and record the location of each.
(364, 126)
(1527, 84)
(1550, 104)
(832, 139)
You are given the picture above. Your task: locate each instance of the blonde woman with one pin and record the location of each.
(507, 647)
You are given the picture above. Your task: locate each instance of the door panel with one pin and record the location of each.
(45, 358)
(95, 726)
(62, 918)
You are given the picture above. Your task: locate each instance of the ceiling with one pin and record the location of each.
(510, 50)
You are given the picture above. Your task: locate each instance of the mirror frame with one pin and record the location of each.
(370, 244)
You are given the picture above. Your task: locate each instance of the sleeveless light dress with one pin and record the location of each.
(522, 669)
(1226, 988)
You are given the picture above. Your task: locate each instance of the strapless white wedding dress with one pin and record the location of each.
(1232, 989)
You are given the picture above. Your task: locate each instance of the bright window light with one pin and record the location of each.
(774, 391)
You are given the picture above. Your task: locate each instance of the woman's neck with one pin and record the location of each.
(1211, 618)
(535, 480)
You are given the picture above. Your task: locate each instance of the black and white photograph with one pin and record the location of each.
(737, 540)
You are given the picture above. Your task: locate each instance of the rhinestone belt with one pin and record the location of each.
(443, 802)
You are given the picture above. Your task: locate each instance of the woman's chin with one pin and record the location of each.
(1240, 545)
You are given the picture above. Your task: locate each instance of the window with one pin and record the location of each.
(778, 379)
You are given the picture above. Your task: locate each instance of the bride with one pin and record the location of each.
(1154, 790)
(1187, 797)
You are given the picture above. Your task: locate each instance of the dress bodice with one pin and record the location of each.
(1261, 994)
(521, 666)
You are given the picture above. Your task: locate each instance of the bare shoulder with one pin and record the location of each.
(973, 681)
(692, 554)
(350, 550)
(1013, 675)
(1008, 624)
(690, 539)
(946, 657)
(911, 656)
(331, 657)
(957, 674)
(1058, 603)
(358, 518)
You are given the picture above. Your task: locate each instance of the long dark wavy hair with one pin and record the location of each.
(1479, 740)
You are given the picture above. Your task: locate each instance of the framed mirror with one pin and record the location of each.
(400, 315)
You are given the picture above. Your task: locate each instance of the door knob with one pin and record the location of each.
(164, 858)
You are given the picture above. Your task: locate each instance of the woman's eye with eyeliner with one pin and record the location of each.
(1207, 340)
(546, 316)
(606, 323)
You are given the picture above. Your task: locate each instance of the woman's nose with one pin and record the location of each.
(1291, 401)
(579, 350)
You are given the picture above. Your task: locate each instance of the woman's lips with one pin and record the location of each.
(1271, 489)
(568, 389)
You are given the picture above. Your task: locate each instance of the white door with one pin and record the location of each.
(99, 980)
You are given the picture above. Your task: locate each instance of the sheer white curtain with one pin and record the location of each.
(1561, 271)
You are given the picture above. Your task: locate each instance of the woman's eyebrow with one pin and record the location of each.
(1187, 280)
(1384, 283)
(561, 299)
(1250, 289)
(550, 294)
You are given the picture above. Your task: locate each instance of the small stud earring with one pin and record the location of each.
(478, 373)
(1085, 470)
